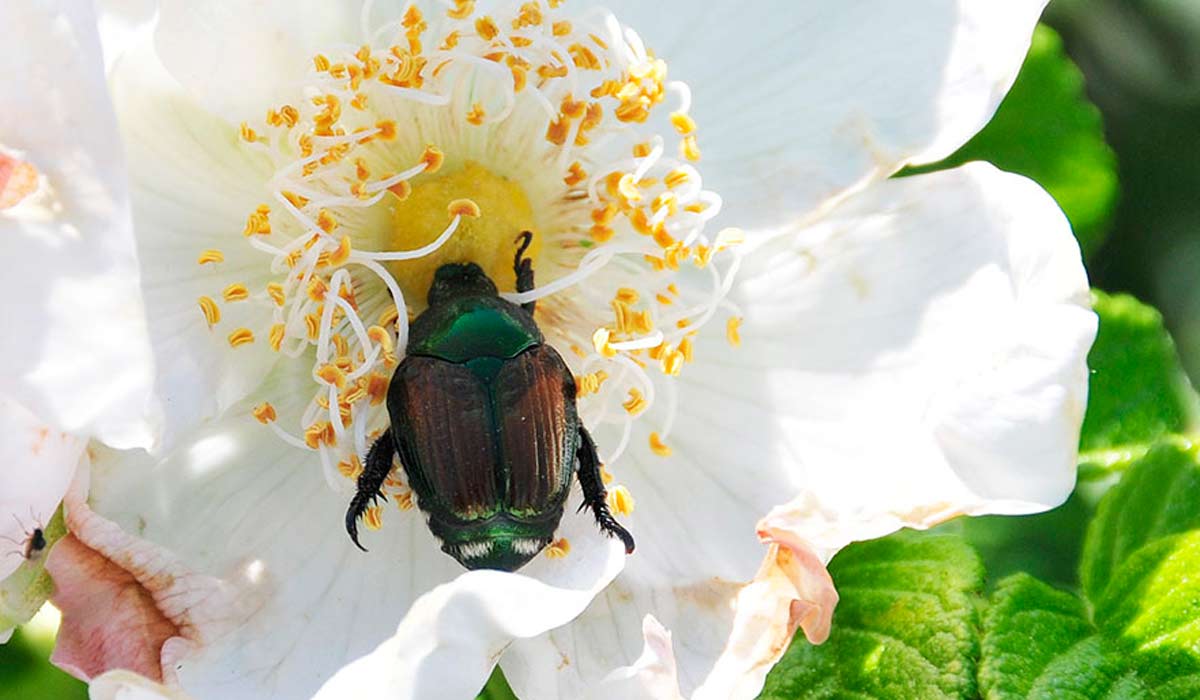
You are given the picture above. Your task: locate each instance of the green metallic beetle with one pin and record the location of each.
(483, 418)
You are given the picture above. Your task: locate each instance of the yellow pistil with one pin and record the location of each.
(658, 447)
(620, 501)
(558, 548)
(264, 413)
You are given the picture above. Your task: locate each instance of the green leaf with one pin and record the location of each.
(1138, 390)
(497, 688)
(1028, 625)
(1153, 600)
(906, 625)
(1046, 129)
(1159, 496)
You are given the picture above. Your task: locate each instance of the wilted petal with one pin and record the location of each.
(127, 604)
(801, 101)
(76, 353)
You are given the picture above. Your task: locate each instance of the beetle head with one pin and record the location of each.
(459, 279)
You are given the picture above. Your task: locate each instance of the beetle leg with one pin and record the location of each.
(594, 492)
(523, 266)
(370, 483)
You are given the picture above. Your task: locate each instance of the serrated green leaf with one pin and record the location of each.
(1159, 496)
(1047, 130)
(1138, 391)
(1153, 599)
(906, 625)
(1028, 625)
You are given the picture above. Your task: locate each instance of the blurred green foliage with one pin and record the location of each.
(26, 674)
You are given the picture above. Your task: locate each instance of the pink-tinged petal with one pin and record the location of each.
(652, 675)
(126, 685)
(128, 604)
(18, 180)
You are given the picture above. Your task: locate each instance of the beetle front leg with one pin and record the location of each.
(370, 483)
(594, 493)
(523, 267)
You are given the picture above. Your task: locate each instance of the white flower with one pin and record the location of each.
(868, 354)
(75, 353)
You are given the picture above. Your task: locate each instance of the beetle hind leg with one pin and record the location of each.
(523, 266)
(370, 483)
(594, 493)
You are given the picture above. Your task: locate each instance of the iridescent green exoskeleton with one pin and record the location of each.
(484, 421)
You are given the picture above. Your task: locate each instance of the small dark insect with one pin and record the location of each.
(484, 420)
(34, 543)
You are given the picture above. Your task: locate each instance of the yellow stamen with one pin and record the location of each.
(600, 342)
(275, 291)
(464, 207)
(211, 255)
(264, 412)
(636, 402)
(658, 446)
(212, 314)
(733, 331)
(241, 336)
(235, 292)
(620, 501)
(275, 337)
(689, 148)
(684, 124)
(558, 548)
(433, 159)
(373, 517)
(331, 374)
(351, 467)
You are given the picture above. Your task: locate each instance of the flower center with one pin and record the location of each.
(435, 144)
(486, 240)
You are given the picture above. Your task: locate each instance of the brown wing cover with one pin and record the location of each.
(537, 428)
(453, 460)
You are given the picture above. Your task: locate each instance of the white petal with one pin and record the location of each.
(239, 58)
(37, 464)
(450, 638)
(925, 350)
(236, 503)
(918, 355)
(192, 187)
(801, 101)
(126, 685)
(76, 351)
